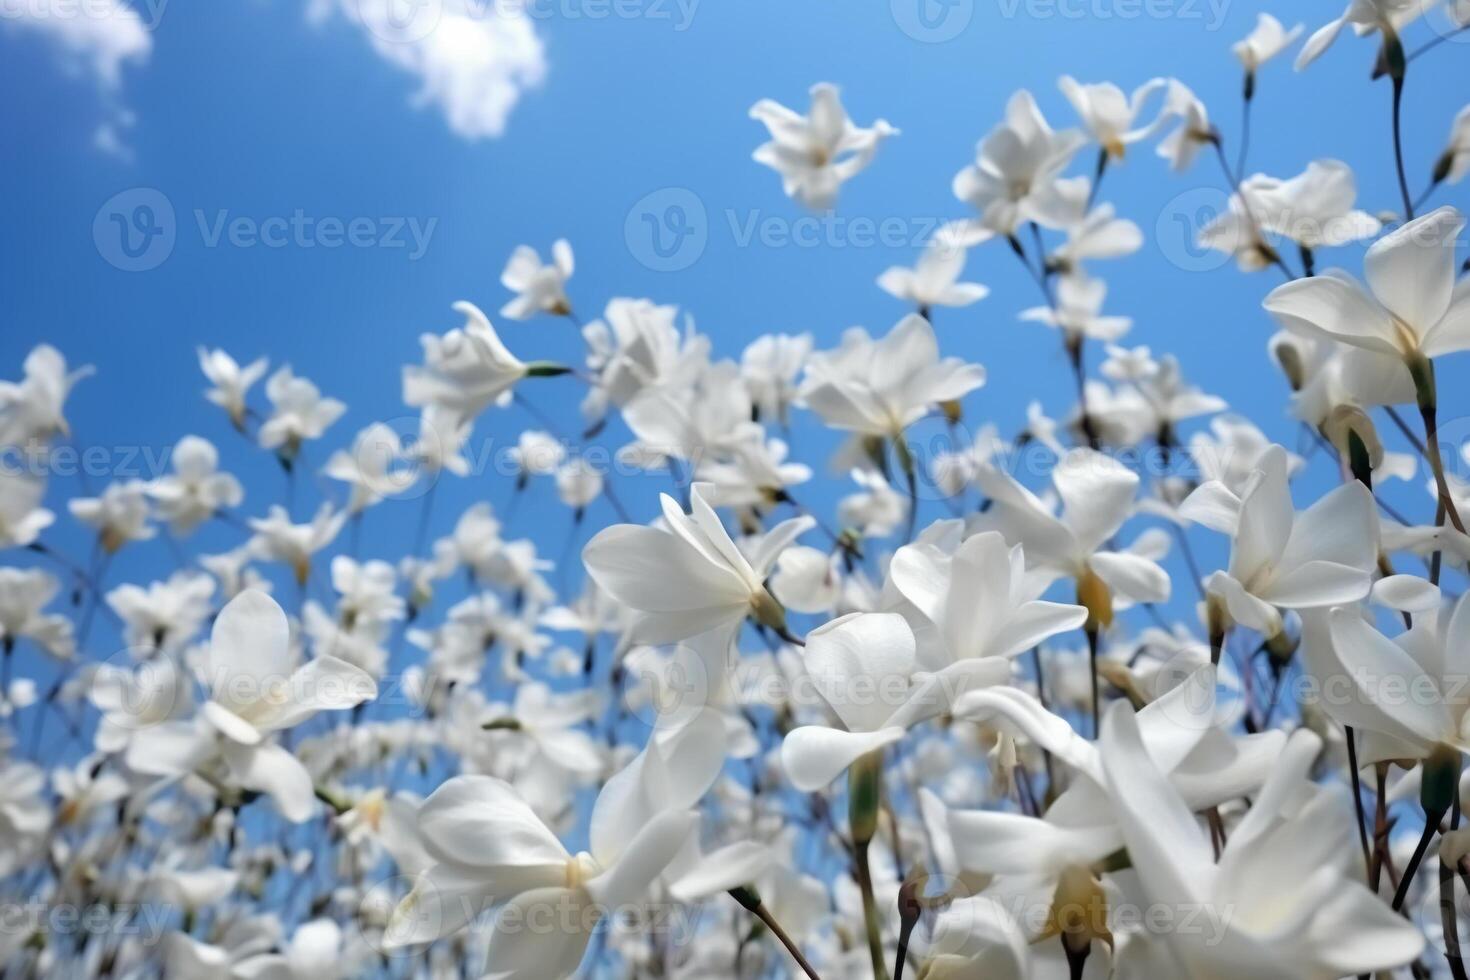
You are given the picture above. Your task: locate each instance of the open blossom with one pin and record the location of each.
(24, 595)
(196, 490)
(1265, 41)
(880, 387)
(688, 578)
(539, 288)
(1192, 131)
(1097, 497)
(769, 367)
(166, 615)
(1280, 557)
(299, 413)
(1291, 859)
(22, 518)
(1077, 311)
(231, 381)
(1413, 307)
(865, 666)
(278, 538)
(490, 848)
(369, 468)
(465, 371)
(817, 153)
(254, 691)
(1017, 170)
(934, 279)
(1110, 116)
(1314, 210)
(1365, 17)
(32, 409)
(121, 514)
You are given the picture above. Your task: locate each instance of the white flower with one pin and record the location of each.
(1320, 557)
(491, 849)
(368, 468)
(22, 518)
(279, 539)
(865, 667)
(690, 578)
(165, 615)
(539, 288)
(636, 347)
(1264, 42)
(1366, 17)
(817, 153)
(231, 382)
(578, 483)
(1014, 177)
(1097, 495)
(1182, 145)
(1078, 310)
(1108, 114)
(253, 692)
(464, 371)
(1413, 306)
(298, 412)
(933, 281)
(1291, 860)
(769, 367)
(120, 515)
(24, 594)
(537, 453)
(976, 602)
(31, 410)
(196, 490)
(877, 509)
(880, 387)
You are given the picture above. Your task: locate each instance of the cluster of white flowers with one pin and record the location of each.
(1069, 747)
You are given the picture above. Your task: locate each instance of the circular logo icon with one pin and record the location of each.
(667, 690)
(400, 21)
(135, 231)
(134, 695)
(932, 21)
(1178, 229)
(667, 230)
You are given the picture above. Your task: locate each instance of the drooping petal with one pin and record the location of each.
(814, 755)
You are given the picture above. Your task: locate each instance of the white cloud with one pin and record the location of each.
(473, 58)
(94, 38)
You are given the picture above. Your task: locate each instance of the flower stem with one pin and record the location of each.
(752, 903)
(870, 910)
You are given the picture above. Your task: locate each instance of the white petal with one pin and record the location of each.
(813, 755)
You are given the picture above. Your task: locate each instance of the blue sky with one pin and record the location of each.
(251, 110)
